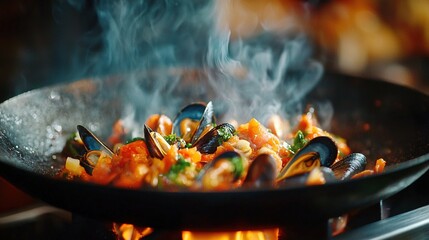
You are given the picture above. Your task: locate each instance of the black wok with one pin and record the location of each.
(377, 118)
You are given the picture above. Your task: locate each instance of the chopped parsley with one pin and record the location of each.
(224, 134)
(177, 168)
(134, 139)
(298, 142)
(238, 166)
(172, 139)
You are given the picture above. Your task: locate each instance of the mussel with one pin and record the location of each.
(222, 172)
(91, 142)
(320, 151)
(349, 166)
(94, 149)
(195, 124)
(157, 145)
(341, 170)
(192, 120)
(209, 142)
(262, 172)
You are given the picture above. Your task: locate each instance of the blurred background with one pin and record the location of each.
(52, 41)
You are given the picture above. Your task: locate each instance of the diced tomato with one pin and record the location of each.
(191, 153)
(136, 147)
(379, 165)
(364, 173)
(127, 181)
(226, 146)
(258, 135)
(132, 176)
(170, 158)
(343, 147)
(103, 172)
(205, 158)
(313, 131)
(306, 121)
(118, 132)
(136, 151)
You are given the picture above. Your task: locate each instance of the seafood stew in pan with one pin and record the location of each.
(376, 123)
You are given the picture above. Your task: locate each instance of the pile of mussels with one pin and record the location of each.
(319, 153)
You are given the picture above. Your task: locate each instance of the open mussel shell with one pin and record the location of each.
(316, 176)
(206, 120)
(91, 142)
(262, 172)
(157, 145)
(349, 166)
(198, 114)
(209, 142)
(225, 169)
(320, 151)
(94, 148)
(299, 165)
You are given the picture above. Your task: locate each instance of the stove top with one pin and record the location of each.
(409, 225)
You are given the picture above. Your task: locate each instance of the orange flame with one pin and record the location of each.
(131, 232)
(266, 234)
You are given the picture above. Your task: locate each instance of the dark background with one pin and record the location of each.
(50, 41)
(39, 42)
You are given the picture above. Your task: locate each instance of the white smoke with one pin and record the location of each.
(251, 77)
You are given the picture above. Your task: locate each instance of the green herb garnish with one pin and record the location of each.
(298, 142)
(177, 168)
(134, 139)
(172, 139)
(224, 134)
(237, 162)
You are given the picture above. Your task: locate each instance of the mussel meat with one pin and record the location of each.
(89, 160)
(191, 121)
(157, 145)
(222, 172)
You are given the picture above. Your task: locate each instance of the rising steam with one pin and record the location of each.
(251, 77)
